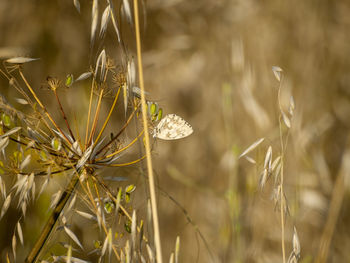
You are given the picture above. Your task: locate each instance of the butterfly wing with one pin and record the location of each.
(172, 127)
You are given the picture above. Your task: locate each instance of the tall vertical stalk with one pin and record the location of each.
(147, 141)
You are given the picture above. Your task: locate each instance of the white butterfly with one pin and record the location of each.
(172, 127)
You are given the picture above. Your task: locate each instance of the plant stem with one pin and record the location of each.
(43, 107)
(282, 215)
(282, 207)
(333, 215)
(97, 113)
(147, 141)
(45, 233)
(108, 117)
(118, 134)
(63, 114)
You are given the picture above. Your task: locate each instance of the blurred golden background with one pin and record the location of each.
(210, 62)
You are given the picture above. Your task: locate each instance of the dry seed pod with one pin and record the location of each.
(14, 243)
(104, 20)
(77, 5)
(268, 157)
(296, 243)
(127, 11)
(277, 71)
(5, 206)
(291, 106)
(94, 20)
(84, 76)
(21, 101)
(20, 60)
(252, 147)
(73, 236)
(286, 120)
(250, 159)
(19, 232)
(114, 20)
(263, 178)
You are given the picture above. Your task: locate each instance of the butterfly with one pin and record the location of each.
(172, 127)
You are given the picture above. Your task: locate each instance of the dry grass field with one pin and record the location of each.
(210, 62)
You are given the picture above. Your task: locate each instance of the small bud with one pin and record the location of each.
(160, 114)
(43, 156)
(153, 109)
(6, 120)
(69, 80)
(108, 205)
(56, 144)
(97, 244)
(130, 188)
(277, 71)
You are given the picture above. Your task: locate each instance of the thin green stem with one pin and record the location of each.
(43, 107)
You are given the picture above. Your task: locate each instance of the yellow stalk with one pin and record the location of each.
(126, 164)
(89, 113)
(147, 140)
(94, 124)
(122, 149)
(108, 117)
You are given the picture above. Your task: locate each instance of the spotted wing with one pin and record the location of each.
(172, 127)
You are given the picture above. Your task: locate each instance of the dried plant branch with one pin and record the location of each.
(43, 107)
(333, 215)
(45, 233)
